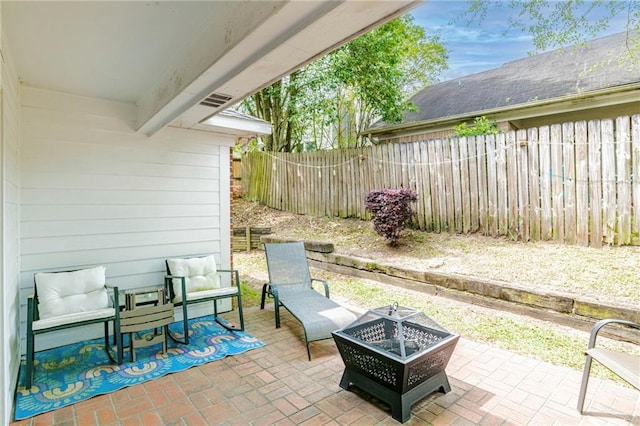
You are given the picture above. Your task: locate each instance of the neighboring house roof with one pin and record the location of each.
(552, 76)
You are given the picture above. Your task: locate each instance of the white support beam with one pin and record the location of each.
(206, 68)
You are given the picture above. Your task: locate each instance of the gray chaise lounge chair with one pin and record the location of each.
(291, 286)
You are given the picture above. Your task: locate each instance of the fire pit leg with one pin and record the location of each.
(345, 382)
(400, 403)
(438, 382)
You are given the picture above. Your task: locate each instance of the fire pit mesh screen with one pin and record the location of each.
(429, 367)
(379, 369)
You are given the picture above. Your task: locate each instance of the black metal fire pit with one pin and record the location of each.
(396, 354)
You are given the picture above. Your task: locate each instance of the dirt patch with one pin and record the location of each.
(609, 274)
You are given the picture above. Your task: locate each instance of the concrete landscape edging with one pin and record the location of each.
(562, 308)
(554, 301)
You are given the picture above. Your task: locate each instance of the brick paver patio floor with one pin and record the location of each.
(276, 385)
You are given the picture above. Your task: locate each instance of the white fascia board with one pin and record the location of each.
(237, 127)
(252, 127)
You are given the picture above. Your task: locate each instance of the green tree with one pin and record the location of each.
(278, 104)
(389, 64)
(554, 23)
(330, 101)
(481, 126)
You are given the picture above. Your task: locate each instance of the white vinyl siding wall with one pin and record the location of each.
(10, 231)
(95, 192)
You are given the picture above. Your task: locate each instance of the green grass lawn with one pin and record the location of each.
(526, 336)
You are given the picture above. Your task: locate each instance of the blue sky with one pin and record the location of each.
(478, 47)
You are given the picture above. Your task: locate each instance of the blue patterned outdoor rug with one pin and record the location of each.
(73, 373)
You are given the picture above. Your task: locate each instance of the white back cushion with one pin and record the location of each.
(200, 274)
(62, 293)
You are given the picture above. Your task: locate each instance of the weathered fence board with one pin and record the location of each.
(608, 180)
(635, 167)
(441, 188)
(492, 184)
(557, 183)
(523, 184)
(569, 187)
(465, 186)
(433, 186)
(623, 157)
(546, 212)
(534, 184)
(595, 183)
(417, 170)
(502, 182)
(582, 187)
(571, 182)
(481, 162)
(456, 186)
(512, 187)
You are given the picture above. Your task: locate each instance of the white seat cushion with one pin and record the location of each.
(65, 293)
(200, 275)
(73, 318)
(225, 291)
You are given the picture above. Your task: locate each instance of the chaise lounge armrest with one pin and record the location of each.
(325, 285)
(623, 364)
(600, 324)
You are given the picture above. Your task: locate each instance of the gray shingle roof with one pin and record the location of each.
(556, 74)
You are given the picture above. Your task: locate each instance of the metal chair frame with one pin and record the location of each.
(184, 302)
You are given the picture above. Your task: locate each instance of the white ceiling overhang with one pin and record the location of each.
(167, 56)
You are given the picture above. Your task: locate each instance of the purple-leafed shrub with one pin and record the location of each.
(391, 209)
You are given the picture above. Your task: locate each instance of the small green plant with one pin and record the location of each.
(481, 126)
(391, 210)
(250, 296)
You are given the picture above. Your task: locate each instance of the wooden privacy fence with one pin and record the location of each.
(574, 182)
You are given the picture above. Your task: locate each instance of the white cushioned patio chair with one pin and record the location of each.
(290, 284)
(197, 280)
(69, 299)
